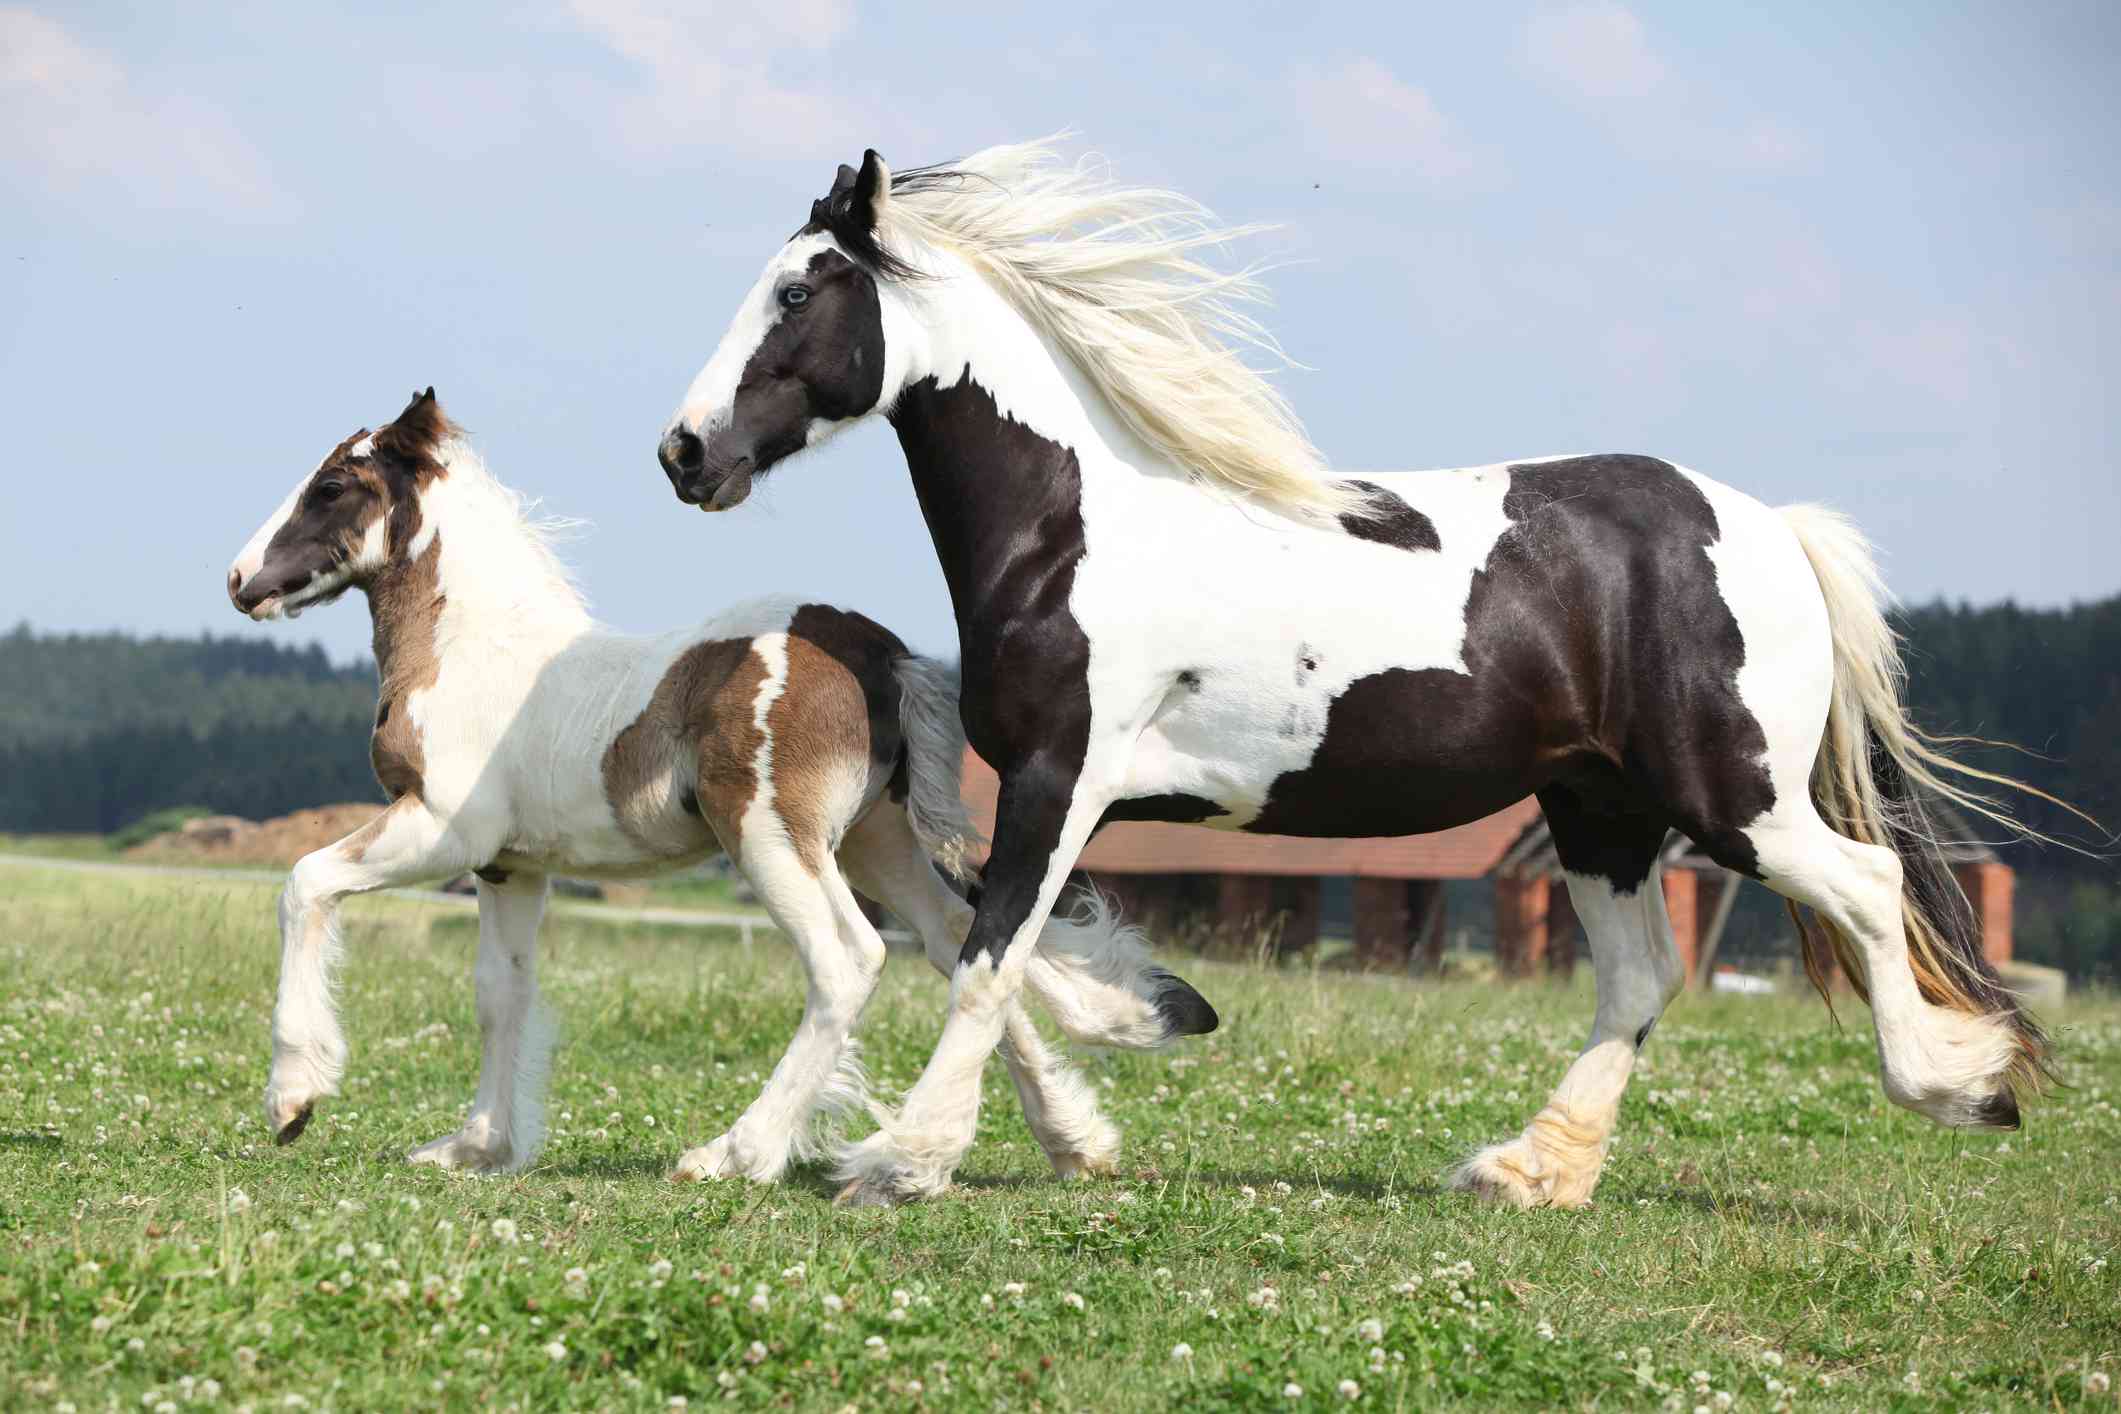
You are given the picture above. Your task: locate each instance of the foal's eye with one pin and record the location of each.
(330, 490)
(795, 296)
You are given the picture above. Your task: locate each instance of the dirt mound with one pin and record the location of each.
(229, 839)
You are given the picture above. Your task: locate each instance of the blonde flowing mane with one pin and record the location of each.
(1115, 276)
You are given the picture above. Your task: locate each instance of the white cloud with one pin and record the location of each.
(1359, 111)
(709, 69)
(73, 115)
(1595, 50)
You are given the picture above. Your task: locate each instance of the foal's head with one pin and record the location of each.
(348, 521)
(805, 356)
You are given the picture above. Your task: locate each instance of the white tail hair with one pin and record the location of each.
(1114, 276)
(1873, 770)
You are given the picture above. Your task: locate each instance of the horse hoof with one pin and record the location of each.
(1998, 1111)
(292, 1130)
(865, 1193)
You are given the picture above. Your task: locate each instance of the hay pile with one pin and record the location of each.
(230, 839)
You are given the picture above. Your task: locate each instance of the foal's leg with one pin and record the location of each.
(842, 956)
(885, 861)
(1044, 817)
(1556, 1161)
(506, 1125)
(405, 844)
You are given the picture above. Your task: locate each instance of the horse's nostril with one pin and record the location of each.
(681, 452)
(235, 584)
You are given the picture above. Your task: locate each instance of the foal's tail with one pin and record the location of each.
(1873, 770)
(1091, 971)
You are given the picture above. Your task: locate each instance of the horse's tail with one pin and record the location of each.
(1874, 768)
(1091, 971)
(935, 762)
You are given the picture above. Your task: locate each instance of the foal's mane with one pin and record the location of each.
(1115, 276)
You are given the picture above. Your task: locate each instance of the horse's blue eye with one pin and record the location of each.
(795, 295)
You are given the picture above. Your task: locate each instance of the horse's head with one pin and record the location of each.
(805, 356)
(346, 522)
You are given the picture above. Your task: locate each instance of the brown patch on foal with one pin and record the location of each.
(838, 710)
(406, 603)
(697, 733)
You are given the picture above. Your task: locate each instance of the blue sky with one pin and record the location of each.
(1864, 254)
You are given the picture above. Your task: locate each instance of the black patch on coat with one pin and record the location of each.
(1004, 509)
(1174, 808)
(1189, 680)
(1391, 521)
(1603, 668)
(868, 651)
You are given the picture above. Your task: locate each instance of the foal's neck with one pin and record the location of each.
(474, 556)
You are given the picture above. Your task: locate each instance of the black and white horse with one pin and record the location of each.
(1169, 610)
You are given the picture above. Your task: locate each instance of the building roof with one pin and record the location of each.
(1131, 847)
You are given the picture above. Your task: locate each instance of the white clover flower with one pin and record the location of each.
(725, 1379)
(401, 1290)
(1012, 1288)
(2097, 1382)
(1181, 1351)
(895, 1314)
(238, 1201)
(1771, 1358)
(759, 1299)
(1292, 1390)
(1722, 1399)
(100, 1325)
(1372, 1330)
(901, 1298)
(136, 1345)
(1072, 1301)
(556, 1350)
(503, 1229)
(755, 1353)
(877, 1348)
(1350, 1390)
(659, 1270)
(344, 1251)
(832, 1302)
(986, 1301)
(677, 1401)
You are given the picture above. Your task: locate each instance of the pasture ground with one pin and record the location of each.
(1769, 1233)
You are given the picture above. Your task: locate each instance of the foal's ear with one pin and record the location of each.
(416, 430)
(872, 189)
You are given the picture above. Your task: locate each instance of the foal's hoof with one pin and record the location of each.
(1998, 1111)
(867, 1193)
(289, 1132)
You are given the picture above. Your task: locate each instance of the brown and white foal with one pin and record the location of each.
(518, 738)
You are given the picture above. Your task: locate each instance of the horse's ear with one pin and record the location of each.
(872, 189)
(419, 427)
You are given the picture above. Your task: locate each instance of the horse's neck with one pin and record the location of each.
(1000, 433)
(477, 581)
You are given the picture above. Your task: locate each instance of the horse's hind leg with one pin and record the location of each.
(506, 1125)
(1613, 880)
(842, 956)
(884, 860)
(1938, 1061)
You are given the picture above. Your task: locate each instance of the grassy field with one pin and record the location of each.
(1770, 1233)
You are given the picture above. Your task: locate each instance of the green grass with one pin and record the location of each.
(1765, 1216)
(59, 846)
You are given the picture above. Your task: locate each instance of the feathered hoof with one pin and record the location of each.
(1519, 1175)
(1184, 1011)
(1998, 1111)
(876, 1192)
(289, 1132)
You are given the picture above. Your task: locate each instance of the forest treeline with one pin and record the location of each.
(97, 730)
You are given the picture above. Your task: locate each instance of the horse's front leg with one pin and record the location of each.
(1556, 1161)
(506, 1125)
(1044, 816)
(404, 844)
